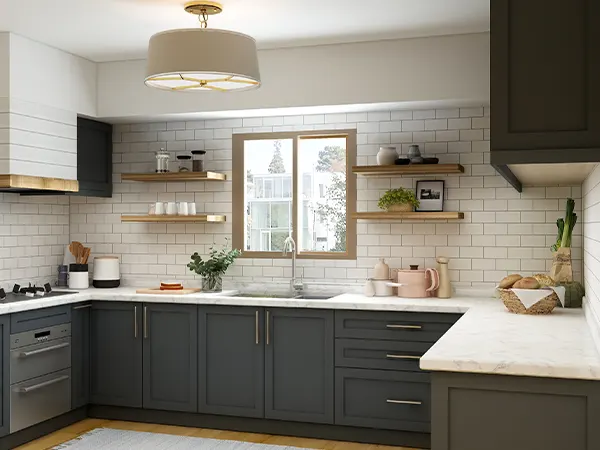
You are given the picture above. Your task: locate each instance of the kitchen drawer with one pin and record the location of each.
(39, 318)
(39, 399)
(398, 326)
(383, 399)
(369, 354)
(38, 359)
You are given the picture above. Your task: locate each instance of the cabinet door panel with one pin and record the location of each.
(94, 158)
(116, 354)
(231, 361)
(5, 374)
(80, 354)
(170, 357)
(299, 365)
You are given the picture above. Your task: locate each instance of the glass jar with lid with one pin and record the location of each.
(198, 160)
(185, 163)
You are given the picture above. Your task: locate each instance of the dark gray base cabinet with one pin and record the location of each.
(231, 374)
(116, 354)
(497, 412)
(80, 354)
(5, 375)
(299, 365)
(170, 357)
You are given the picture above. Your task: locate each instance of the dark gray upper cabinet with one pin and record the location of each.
(80, 354)
(231, 360)
(545, 81)
(94, 158)
(299, 365)
(5, 374)
(116, 354)
(170, 357)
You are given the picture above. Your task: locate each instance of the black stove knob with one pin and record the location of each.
(47, 288)
(16, 289)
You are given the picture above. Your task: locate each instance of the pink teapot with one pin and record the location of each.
(415, 283)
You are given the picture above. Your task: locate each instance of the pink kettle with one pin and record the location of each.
(415, 283)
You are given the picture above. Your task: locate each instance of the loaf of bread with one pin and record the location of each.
(544, 280)
(527, 283)
(507, 282)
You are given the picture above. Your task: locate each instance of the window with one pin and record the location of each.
(297, 184)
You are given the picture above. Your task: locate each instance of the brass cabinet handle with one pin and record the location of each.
(407, 327)
(404, 402)
(135, 330)
(402, 357)
(268, 331)
(145, 322)
(83, 307)
(256, 327)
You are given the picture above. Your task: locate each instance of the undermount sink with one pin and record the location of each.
(289, 296)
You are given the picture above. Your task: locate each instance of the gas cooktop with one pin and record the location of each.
(30, 292)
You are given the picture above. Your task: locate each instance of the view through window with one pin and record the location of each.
(294, 184)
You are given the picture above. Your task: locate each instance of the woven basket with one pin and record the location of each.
(514, 304)
(400, 207)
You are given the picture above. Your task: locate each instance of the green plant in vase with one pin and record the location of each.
(214, 267)
(398, 200)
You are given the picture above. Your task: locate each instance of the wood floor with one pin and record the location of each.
(71, 432)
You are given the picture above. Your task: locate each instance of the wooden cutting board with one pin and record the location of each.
(173, 292)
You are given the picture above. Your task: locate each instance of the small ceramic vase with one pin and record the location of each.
(415, 155)
(387, 156)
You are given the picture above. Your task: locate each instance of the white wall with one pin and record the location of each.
(4, 65)
(591, 250)
(448, 68)
(503, 232)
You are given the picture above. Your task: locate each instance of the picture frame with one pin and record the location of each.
(430, 194)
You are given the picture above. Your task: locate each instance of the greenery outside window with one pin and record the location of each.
(297, 184)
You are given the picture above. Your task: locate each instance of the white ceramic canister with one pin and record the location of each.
(79, 277)
(381, 271)
(387, 156)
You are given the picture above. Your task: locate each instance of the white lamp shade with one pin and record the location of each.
(202, 59)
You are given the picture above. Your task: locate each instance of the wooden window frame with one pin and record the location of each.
(238, 192)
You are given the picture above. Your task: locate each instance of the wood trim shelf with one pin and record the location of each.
(411, 169)
(384, 215)
(174, 176)
(198, 218)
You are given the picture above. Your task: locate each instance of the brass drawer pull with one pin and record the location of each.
(402, 357)
(404, 402)
(407, 327)
(268, 330)
(256, 328)
(135, 325)
(89, 305)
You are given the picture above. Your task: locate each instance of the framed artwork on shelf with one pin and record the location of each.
(430, 194)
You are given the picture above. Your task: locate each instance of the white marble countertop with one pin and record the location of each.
(487, 339)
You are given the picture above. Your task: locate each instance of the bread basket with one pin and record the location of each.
(543, 306)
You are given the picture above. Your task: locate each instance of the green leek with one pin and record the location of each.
(570, 221)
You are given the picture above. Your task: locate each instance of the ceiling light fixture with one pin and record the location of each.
(202, 59)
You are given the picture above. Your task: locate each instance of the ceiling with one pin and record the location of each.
(109, 30)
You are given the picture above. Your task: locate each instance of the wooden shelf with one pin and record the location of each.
(384, 215)
(174, 176)
(410, 169)
(198, 218)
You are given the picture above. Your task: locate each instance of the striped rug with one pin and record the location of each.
(108, 438)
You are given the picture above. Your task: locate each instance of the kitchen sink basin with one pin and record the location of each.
(284, 296)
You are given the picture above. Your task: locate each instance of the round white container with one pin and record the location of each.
(79, 277)
(107, 273)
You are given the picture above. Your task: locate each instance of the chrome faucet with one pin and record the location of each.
(289, 245)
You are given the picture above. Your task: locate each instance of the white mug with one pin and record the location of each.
(191, 208)
(159, 208)
(171, 208)
(182, 208)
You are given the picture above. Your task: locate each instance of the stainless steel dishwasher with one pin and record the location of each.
(40, 375)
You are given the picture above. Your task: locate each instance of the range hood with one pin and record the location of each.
(28, 185)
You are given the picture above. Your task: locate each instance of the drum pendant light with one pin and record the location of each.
(202, 59)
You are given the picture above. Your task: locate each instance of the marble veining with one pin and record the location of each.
(486, 339)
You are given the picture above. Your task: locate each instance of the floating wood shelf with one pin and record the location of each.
(410, 169)
(384, 215)
(198, 218)
(174, 176)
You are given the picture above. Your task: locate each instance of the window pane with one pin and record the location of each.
(268, 165)
(322, 213)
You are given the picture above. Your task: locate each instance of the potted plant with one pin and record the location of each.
(396, 200)
(212, 269)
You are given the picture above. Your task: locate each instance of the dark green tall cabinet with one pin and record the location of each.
(5, 374)
(545, 81)
(170, 357)
(81, 315)
(116, 354)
